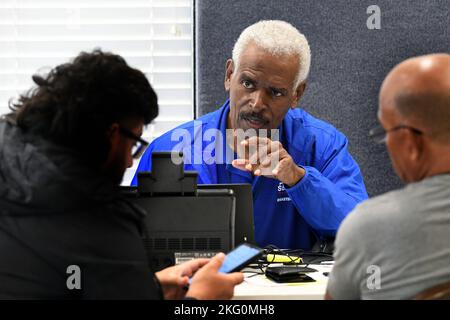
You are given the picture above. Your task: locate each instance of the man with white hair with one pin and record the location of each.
(304, 180)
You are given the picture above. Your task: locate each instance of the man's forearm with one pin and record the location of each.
(321, 202)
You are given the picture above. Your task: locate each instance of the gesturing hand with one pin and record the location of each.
(264, 157)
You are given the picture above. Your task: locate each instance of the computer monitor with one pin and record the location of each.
(244, 225)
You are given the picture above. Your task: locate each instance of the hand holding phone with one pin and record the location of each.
(209, 283)
(240, 257)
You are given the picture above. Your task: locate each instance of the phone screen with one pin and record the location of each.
(238, 257)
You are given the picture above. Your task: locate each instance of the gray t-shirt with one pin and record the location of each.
(396, 245)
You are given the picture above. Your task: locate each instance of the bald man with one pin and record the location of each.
(397, 245)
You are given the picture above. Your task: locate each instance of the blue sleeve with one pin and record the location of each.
(326, 195)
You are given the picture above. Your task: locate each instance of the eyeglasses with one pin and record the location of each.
(139, 147)
(378, 134)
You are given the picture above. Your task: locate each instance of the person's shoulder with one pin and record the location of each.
(299, 118)
(371, 215)
(303, 129)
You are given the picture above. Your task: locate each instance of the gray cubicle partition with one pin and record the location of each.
(349, 60)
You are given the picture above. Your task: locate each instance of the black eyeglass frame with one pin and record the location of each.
(381, 132)
(143, 144)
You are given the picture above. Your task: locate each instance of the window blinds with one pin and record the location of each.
(154, 36)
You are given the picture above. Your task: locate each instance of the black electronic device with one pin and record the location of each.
(289, 274)
(184, 227)
(181, 223)
(167, 176)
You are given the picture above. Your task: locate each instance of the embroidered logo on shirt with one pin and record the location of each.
(282, 194)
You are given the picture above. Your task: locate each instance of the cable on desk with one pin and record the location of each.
(293, 254)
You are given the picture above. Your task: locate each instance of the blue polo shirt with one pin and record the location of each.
(294, 217)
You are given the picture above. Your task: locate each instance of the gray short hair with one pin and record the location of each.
(278, 38)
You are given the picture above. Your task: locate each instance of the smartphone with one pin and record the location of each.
(240, 257)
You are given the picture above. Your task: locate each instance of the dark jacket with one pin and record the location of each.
(56, 212)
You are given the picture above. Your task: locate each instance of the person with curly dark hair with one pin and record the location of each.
(85, 104)
(64, 230)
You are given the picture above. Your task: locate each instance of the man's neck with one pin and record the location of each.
(439, 162)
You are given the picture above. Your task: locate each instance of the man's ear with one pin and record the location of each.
(298, 94)
(113, 137)
(113, 132)
(416, 146)
(229, 69)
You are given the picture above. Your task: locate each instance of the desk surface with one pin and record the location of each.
(258, 287)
